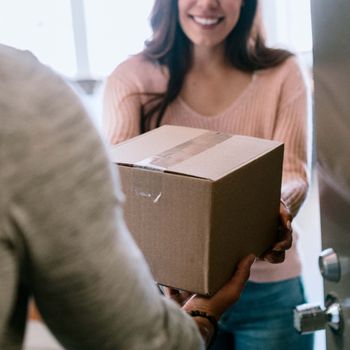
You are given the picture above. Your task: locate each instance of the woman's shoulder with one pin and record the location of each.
(287, 66)
(136, 64)
(289, 70)
(141, 71)
(292, 65)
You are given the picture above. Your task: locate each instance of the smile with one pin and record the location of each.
(207, 21)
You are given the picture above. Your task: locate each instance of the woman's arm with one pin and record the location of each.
(121, 107)
(293, 127)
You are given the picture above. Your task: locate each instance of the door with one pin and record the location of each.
(331, 39)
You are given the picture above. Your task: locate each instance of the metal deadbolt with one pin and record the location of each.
(309, 318)
(329, 265)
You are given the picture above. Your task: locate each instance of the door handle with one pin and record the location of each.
(309, 318)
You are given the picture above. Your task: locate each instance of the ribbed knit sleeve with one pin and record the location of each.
(122, 104)
(127, 89)
(292, 127)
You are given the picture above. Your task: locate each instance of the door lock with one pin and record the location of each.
(329, 265)
(309, 318)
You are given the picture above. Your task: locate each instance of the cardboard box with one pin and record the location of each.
(197, 201)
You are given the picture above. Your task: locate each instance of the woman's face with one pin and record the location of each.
(208, 22)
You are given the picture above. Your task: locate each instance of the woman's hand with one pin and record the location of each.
(277, 253)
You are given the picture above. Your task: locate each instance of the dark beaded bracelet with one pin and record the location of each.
(211, 319)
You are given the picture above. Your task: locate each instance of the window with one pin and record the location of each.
(76, 37)
(115, 30)
(43, 27)
(288, 25)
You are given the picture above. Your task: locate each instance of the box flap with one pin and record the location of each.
(192, 152)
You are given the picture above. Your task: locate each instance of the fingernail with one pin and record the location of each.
(289, 225)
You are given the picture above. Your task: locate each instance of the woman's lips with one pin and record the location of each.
(207, 21)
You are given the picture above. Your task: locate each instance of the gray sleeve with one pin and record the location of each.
(90, 281)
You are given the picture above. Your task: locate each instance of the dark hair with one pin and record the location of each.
(170, 47)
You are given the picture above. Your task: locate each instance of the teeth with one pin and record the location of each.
(206, 21)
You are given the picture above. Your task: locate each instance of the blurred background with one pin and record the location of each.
(84, 40)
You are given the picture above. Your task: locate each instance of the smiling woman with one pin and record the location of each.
(208, 25)
(206, 66)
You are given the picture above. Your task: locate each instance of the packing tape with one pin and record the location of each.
(183, 151)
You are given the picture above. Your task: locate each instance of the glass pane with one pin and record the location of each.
(115, 30)
(301, 32)
(43, 27)
(288, 24)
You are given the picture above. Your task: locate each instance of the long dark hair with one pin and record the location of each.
(170, 47)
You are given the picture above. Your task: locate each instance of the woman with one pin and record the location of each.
(206, 67)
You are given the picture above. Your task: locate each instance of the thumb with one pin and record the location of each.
(236, 284)
(232, 290)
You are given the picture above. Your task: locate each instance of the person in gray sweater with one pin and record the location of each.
(63, 240)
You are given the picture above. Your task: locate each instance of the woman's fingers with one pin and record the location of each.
(274, 257)
(276, 254)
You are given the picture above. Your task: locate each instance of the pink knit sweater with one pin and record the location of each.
(273, 106)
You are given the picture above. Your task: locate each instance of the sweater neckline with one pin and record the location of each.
(244, 94)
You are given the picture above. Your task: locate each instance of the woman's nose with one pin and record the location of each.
(208, 3)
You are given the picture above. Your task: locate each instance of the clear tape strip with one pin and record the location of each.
(183, 151)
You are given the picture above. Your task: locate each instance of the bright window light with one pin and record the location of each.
(288, 24)
(115, 30)
(43, 27)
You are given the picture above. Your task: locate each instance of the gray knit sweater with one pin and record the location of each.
(62, 235)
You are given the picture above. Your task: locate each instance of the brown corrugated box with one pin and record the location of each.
(197, 201)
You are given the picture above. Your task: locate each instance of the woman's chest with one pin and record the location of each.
(209, 96)
(254, 114)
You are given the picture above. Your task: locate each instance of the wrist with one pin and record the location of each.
(205, 328)
(207, 325)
